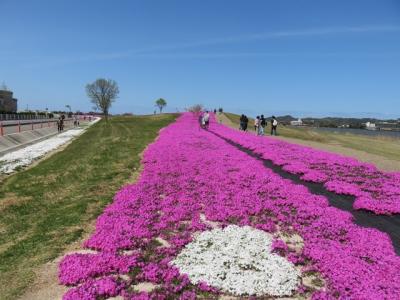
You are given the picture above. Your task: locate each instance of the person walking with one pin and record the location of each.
(274, 125)
(241, 123)
(62, 124)
(206, 118)
(59, 124)
(262, 125)
(201, 120)
(256, 124)
(245, 123)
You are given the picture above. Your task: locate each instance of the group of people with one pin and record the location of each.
(204, 119)
(61, 122)
(259, 124)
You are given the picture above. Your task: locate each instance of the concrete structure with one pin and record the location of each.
(19, 138)
(370, 126)
(299, 122)
(12, 142)
(7, 102)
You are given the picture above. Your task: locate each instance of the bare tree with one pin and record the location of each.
(195, 109)
(4, 87)
(160, 103)
(102, 94)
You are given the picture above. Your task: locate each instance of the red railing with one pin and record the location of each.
(17, 127)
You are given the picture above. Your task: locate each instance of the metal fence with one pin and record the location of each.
(12, 117)
(17, 126)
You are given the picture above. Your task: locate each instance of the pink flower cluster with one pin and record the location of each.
(374, 190)
(190, 174)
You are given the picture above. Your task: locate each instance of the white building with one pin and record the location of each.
(370, 126)
(299, 122)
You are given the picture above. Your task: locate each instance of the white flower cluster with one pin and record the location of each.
(238, 260)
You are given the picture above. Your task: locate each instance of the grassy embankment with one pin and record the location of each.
(48, 206)
(386, 147)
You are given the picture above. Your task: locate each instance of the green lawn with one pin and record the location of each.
(46, 207)
(383, 146)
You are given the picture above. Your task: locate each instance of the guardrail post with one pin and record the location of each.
(1, 129)
(19, 126)
(32, 124)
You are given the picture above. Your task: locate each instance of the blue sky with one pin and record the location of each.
(321, 57)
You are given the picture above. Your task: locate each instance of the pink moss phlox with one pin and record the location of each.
(280, 247)
(75, 267)
(95, 289)
(191, 177)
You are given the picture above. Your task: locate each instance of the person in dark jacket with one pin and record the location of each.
(245, 123)
(59, 126)
(241, 122)
(263, 123)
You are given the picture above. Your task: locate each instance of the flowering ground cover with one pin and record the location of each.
(238, 260)
(156, 231)
(374, 190)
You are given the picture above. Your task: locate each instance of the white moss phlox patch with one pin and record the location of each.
(238, 260)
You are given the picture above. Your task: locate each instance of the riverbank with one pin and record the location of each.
(373, 133)
(382, 151)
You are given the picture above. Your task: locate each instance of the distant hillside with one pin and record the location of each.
(335, 122)
(339, 122)
(285, 119)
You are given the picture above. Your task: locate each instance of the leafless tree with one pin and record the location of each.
(4, 87)
(195, 109)
(102, 94)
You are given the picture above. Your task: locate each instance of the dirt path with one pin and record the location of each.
(46, 286)
(380, 162)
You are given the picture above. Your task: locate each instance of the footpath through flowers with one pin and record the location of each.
(194, 189)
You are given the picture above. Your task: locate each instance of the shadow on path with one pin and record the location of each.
(388, 224)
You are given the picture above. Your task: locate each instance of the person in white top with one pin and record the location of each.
(256, 124)
(206, 119)
(274, 125)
